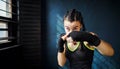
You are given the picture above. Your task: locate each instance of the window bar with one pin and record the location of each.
(6, 38)
(7, 2)
(1, 29)
(8, 12)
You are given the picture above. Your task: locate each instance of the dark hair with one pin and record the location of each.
(74, 15)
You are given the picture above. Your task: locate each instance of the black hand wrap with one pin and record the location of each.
(61, 43)
(85, 36)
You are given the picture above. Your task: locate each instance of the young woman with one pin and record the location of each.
(77, 45)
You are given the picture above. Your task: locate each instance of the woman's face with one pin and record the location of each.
(72, 26)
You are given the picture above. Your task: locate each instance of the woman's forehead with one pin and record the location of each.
(71, 24)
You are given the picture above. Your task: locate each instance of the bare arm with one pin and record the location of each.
(61, 58)
(61, 55)
(105, 48)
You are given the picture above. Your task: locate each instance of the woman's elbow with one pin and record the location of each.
(109, 53)
(60, 64)
(112, 52)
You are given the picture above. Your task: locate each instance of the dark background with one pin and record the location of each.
(41, 23)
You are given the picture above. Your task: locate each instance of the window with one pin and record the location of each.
(6, 8)
(8, 22)
(3, 32)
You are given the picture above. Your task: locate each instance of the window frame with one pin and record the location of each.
(12, 26)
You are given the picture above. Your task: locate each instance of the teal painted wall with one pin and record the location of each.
(101, 17)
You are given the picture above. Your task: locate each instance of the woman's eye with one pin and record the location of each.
(75, 29)
(67, 29)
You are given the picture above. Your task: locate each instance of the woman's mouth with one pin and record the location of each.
(74, 43)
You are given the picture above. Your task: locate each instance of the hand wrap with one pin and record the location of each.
(61, 43)
(85, 36)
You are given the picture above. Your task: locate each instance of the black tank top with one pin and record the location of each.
(81, 58)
